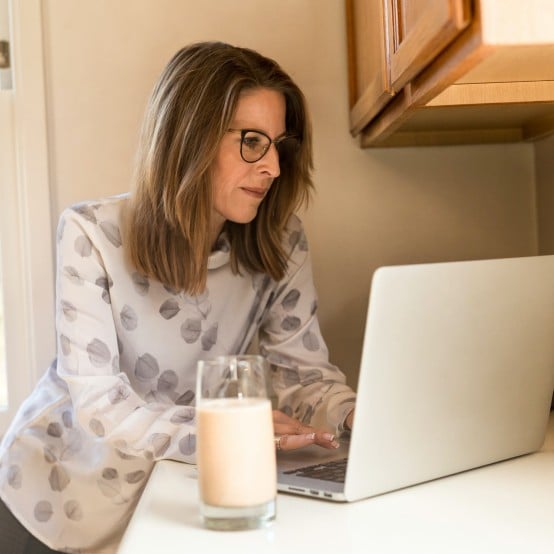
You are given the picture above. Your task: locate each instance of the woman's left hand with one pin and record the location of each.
(291, 434)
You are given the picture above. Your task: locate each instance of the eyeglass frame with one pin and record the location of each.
(271, 141)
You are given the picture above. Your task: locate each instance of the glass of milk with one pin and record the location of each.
(235, 447)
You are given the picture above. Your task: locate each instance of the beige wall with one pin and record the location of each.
(372, 207)
(544, 163)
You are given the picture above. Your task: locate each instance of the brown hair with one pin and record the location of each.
(167, 226)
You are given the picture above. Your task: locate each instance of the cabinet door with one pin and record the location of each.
(368, 73)
(418, 31)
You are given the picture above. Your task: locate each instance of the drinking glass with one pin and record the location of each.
(236, 453)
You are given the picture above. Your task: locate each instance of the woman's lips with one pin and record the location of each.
(256, 193)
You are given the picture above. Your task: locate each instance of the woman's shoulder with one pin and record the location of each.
(96, 210)
(91, 215)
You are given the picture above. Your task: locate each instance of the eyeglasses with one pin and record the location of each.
(255, 144)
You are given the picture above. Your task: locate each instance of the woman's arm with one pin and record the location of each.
(308, 386)
(106, 404)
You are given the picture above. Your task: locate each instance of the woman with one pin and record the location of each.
(205, 254)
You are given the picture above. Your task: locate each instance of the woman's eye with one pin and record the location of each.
(253, 143)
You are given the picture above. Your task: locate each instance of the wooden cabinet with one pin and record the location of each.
(428, 72)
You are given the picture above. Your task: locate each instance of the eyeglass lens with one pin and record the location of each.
(254, 145)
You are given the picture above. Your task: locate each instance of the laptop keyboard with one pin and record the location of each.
(328, 471)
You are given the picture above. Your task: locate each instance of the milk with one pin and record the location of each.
(236, 454)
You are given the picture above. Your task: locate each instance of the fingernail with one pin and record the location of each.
(335, 444)
(328, 437)
(310, 436)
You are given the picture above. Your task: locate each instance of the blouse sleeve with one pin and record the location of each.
(106, 405)
(307, 385)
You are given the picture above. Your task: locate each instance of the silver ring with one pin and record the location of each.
(277, 441)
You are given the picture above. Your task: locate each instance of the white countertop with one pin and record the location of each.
(505, 508)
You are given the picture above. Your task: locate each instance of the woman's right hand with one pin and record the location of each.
(291, 434)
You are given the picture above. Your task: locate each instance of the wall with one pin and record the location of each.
(544, 164)
(372, 207)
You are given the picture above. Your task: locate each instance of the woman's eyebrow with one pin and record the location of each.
(258, 130)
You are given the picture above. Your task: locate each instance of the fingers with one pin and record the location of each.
(292, 434)
(294, 441)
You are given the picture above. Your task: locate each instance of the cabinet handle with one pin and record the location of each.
(4, 54)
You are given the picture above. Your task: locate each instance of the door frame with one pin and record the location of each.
(28, 255)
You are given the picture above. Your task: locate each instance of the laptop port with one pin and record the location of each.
(315, 493)
(327, 495)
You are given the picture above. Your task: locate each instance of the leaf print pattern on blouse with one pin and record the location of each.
(187, 445)
(117, 394)
(105, 284)
(54, 429)
(290, 377)
(58, 478)
(96, 427)
(83, 246)
(146, 367)
(191, 330)
(135, 476)
(291, 300)
(141, 283)
(298, 239)
(310, 376)
(186, 399)
(209, 338)
(168, 381)
(110, 473)
(43, 511)
(67, 419)
(310, 341)
(129, 318)
(112, 232)
(186, 415)
(290, 323)
(72, 510)
(169, 309)
(15, 477)
(73, 275)
(98, 353)
(65, 345)
(69, 310)
(86, 211)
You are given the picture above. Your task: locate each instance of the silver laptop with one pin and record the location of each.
(457, 372)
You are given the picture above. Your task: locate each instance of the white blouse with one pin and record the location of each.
(120, 395)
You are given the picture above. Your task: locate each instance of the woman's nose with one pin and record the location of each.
(270, 162)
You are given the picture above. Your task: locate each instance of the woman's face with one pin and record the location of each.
(239, 187)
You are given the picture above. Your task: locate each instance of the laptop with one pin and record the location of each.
(457, 372)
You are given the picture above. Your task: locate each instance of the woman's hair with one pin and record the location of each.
(167, 225)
